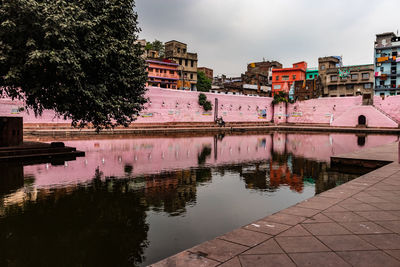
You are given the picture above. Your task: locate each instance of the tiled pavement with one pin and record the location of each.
(355, 224)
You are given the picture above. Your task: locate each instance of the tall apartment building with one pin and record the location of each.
(387, 64)
(207, 71)
(177, 51)
(338, 80)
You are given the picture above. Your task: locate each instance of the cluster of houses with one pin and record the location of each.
(177, 69)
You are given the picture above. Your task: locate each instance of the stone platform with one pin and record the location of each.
(354, 224)
(37, 152)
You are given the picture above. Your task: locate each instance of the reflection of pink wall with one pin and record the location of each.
(153, 155)
(149, 155)
(323, 146)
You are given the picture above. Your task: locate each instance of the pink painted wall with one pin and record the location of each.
(321, 110)
(390, 105)
(167, 105)
(374, 118)
(280, 115)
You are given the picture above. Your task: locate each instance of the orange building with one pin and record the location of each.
(162, 74)
(282, 79)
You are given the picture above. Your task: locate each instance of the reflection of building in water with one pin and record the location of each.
(281, 173)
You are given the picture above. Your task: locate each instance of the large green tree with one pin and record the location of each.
(78, 58)
(203, 83)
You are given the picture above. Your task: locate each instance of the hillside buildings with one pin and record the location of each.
(338, 80)
(177, 52)
(387, 64)
(256, 81)
(283, 78)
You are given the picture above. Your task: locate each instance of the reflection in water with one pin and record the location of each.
(133, 202)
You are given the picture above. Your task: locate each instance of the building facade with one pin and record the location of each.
(387, 64)
(307, 89)
(311, 73)
(162, 73)
(283, 78)
(207, 71)
(177, 52)
(339, 81)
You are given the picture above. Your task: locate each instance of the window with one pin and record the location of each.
(382, 69)
(180, 61)
(349, 86)
(365, 76)
(191, 63)
(277, 78)
(186, 62)
(354, 76)
(150, 69)
(332, 87)
(277, 86)
(171, 72)
(191, 75)
(378, 64)
(333, 78)
(178, 50)
(322, 67)
(285, 78)
(184, 50)
(367, 86)
(294, 77)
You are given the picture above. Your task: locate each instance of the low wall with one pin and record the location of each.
(173, 106)
(166, 106)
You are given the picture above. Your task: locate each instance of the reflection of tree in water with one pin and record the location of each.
(204, 154)
(76, 226)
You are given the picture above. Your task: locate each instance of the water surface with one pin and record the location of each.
(132, 201)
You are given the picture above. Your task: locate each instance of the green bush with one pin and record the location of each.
(204, 102)
(207, 106)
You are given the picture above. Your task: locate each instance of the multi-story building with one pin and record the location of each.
(207, 71)
(162, 73)
(338, 80)
(177, 51)
(283, 78)
(311, 73)
(387, 64)
(307, 89)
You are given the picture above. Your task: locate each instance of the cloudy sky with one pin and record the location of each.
(228, 34)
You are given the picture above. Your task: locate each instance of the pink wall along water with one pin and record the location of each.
(169, 106)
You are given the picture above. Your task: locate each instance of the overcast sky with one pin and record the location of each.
(228, 34)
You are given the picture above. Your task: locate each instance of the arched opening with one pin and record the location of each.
(362, 120)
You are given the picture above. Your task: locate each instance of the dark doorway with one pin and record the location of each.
(362, 120)
(360, 140)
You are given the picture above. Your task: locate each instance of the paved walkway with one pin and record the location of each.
(355, 224)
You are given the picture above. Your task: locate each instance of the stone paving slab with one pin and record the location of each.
(354, 224)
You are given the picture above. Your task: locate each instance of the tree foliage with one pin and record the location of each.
(203, 83)
(75, 57)
(280, 97)
(157, 46)
(207, 106)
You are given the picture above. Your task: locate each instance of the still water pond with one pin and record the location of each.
(132, 201)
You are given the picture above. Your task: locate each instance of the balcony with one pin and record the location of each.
(385, 87)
